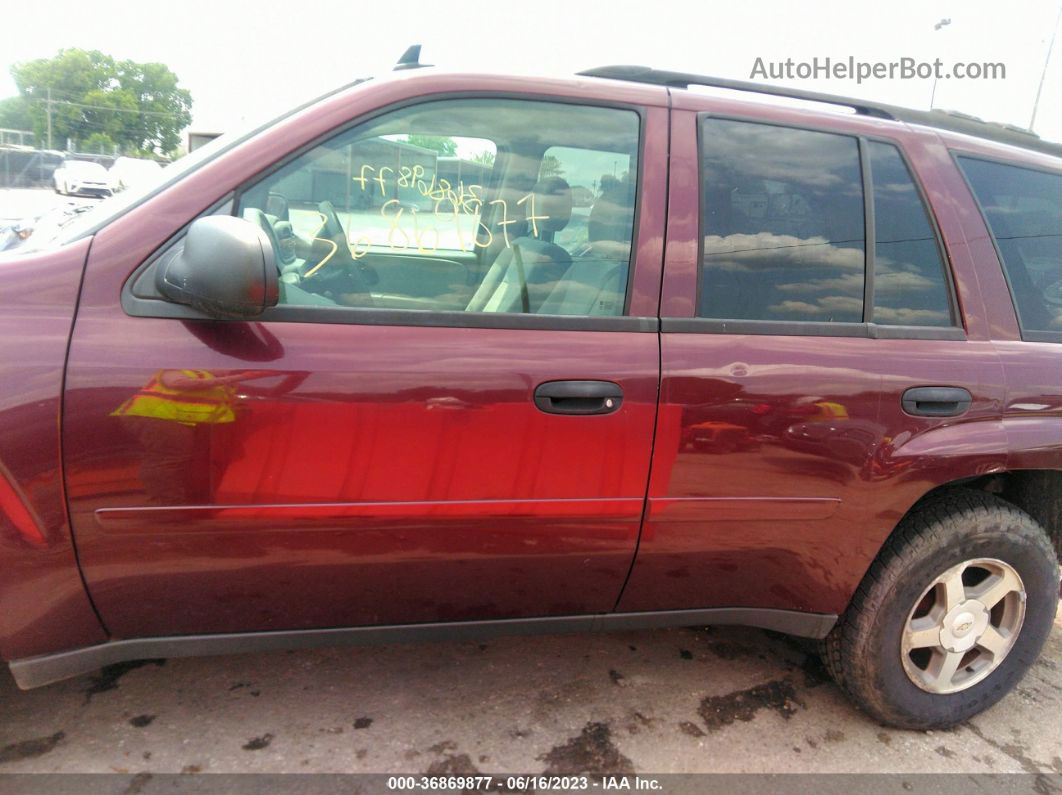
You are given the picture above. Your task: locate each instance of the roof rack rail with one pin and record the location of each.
(941, 119)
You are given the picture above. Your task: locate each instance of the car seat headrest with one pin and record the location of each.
(553, 198)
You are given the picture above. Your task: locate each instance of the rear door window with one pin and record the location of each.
(783, 224)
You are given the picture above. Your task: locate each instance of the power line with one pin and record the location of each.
(1043, 74)
(104, 107)
(56, 92)
(120, 110)
(73, 96)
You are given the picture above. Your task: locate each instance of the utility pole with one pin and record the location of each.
(933, 95)
(1043, 74)
(49, 106)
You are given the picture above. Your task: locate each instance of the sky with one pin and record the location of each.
(245, 61)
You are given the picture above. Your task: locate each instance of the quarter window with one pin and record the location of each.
(1023, 209)
(909, 284)
(478, 205)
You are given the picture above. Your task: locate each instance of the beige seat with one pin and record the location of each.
(531, 266)
(596, 283)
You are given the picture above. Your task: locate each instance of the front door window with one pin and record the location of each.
(472, 205)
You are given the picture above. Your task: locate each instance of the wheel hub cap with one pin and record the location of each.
(963, 625)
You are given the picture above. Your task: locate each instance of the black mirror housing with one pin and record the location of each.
(224, 267)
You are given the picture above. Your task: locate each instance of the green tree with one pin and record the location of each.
(98, 143)
(164, 108)
(447, 147)
(138, 106)
(551, 167)
(486, 157)
(14, 114)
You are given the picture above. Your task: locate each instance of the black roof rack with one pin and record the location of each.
(941, 119)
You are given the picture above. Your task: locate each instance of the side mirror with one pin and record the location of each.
(225, 267)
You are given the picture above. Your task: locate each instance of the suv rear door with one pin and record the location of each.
(343, 460)
(784, 453)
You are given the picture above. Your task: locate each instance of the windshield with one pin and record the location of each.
(91, 221)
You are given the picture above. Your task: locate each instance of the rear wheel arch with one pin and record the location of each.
(965, 521)
(1038, 492)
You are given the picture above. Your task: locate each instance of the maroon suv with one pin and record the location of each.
(443, 355)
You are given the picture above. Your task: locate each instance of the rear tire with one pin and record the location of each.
(925, 587)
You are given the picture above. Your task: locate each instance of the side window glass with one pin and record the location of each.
(478, 205)
(783, 224)
(1023, 209)
(910, 288)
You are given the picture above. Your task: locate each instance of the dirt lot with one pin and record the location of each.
(720, 699)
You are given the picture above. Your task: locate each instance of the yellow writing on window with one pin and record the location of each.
(409, 227)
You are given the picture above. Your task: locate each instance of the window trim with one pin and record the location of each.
(870, 229)
(139, 306)
(867, 328)
(808, 328)
(1027, 335)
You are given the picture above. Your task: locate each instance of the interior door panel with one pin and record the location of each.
(442, 283)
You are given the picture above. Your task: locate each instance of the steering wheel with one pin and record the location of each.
(256, 216)
(330, 246)
(349, 284)
(336, 273)
(1053, 293)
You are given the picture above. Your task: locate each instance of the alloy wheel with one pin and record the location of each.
(963, 625)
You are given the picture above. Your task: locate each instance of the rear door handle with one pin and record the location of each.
(578, 397)
(936, 401)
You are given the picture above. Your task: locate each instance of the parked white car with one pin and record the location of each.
(82, 177)
(129, 171)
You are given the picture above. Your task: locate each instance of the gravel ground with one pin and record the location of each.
(722, 699)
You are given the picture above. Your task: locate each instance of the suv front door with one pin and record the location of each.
(379, 448)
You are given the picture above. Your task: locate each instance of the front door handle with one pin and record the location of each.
(936, 401)
(578, 397)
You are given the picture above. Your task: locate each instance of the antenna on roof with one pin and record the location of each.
(410, 59)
